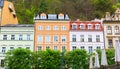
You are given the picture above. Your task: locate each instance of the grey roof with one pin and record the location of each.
(18, 25)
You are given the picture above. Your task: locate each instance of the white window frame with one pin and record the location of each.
(47, 38)
(40, 38)
(63, 27)
(47, 27)
(40, 28)
(55, 27)
(54, 38)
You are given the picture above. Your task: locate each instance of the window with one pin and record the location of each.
(47, 47)
(74, 47)
(12, 37)
(98, 48)
(39, 48)
(55, 47)
(74, 26)
(47, 38)
(40, 28)
(63, 28)
(81, 38)
(90, 49)
(11, 48)
(109, 30)
(55, 38)
(82, 26)
(28, 37)
(97, 26)
(89, 38)
(47, 27)
(82, 47)
(55, 27)
(4, 37)
(3, 49)
(89, 26)
(116, 30)
(73, 38)
(97, 38)
(40, 38)
(110, 43)
(27, 47)
(20, 37)
(63, 38)
(63, 48)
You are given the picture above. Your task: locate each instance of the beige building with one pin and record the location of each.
(111, 28)
(8, 14)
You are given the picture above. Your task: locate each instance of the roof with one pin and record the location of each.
(18, 25)
(86, 23)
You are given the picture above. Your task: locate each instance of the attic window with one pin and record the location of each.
(14, 14)
(10, 7)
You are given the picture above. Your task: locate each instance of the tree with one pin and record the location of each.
(19, 59)
(49, 59)
(77, 59)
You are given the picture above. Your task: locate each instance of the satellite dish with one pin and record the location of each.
(1, 3)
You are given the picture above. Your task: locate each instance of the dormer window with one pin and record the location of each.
(60, 16)
(97, 26)
(43, 16)
(89, 26)
(82, 26)
(74, 26)
(10, 7)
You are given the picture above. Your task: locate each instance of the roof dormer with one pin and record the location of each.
(74, 26)
(60, 16)
(43, 16)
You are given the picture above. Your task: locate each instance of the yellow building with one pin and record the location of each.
(8, 14)
(111, 28)
(51, 31)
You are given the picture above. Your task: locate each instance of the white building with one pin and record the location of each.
(16, 36)
(86, 35)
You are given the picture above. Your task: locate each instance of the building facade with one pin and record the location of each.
(51, 31)
(16, 36)
(111, 28)
(8, 14)
(86, 35)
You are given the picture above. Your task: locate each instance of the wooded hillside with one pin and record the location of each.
(76, 9)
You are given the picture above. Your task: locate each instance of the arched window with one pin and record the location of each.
(109, 30)
(116, 29)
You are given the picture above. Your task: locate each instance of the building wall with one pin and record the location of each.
(86, 44)
(113, 35)
(7, 15)
(24, 31)
(51, 33)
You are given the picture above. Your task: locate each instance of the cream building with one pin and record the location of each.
(16, 36)
(111, 28)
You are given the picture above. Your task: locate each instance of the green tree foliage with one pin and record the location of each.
(110, 54)
(77, 9)
(19, 59)
(49, 59)
(77, 59)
